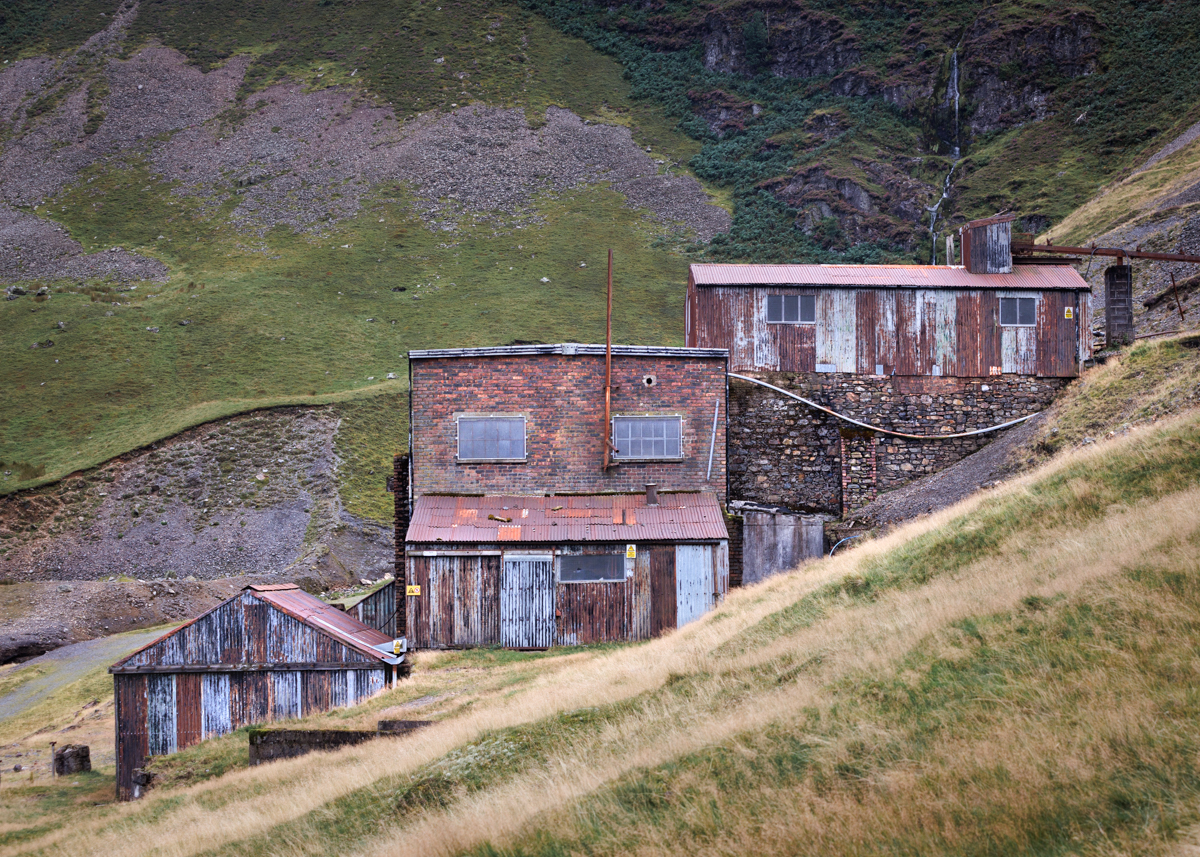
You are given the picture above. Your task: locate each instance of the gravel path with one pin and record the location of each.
(946, 487)
(68, 664)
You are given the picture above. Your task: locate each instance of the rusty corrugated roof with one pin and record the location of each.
(312, 611)
(560, 519)
(1040, 277)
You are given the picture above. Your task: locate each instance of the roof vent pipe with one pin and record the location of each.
(651, 493)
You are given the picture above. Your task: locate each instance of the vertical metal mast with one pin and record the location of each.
(608, 447)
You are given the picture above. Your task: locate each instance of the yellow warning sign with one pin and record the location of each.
(630, 551)
(1069, 312)
(412, 590)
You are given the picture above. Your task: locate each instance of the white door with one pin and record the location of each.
(693, 582)
(527, 602)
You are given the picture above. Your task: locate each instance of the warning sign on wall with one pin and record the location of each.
(630, 551)
(412, 590)
(1069, 312)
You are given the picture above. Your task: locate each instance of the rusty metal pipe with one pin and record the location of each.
(608, 445)
(1118, 252)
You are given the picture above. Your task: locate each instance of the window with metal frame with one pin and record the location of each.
(648, 437)
(791, 309)
(491, 438)
(595, 568)
(1021, 312)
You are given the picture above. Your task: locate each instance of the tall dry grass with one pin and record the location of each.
(716, 684)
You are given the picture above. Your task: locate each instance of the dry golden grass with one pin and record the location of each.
(282, 809)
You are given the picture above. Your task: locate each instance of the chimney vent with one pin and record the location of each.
(651, 493)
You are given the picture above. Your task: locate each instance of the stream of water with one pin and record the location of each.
(955, 151)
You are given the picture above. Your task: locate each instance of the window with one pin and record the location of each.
(791, 309)
(491, 438)
(589, 569)
(647, 437)
(1018, 311)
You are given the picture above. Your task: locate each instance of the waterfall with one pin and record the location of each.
(955, 153)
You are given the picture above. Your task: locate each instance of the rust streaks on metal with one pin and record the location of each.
(558, 519)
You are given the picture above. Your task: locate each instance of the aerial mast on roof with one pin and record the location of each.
(608, 445)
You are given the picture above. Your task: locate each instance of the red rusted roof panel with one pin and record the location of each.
(312, 611)
(579, 518)
(889, 276)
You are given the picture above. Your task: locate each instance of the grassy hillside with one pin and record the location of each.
(1009, 676)
(249, 321)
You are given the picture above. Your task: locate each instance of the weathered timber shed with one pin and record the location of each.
(269, 653)
(376, 609)
(562, 494)
(533, 572)
(884, 320)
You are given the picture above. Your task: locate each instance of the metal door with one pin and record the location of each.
(694, 582)
(527, 602)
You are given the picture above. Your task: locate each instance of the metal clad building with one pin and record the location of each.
(268, 653)
(893, 319)
(521, 536)
(532, 572)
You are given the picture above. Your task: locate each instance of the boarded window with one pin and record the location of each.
(1018, 311)
(647, 437)
(588, 569)
(791, 309)
(491, 438)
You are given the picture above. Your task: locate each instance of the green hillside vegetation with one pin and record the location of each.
(1012, 675)
(308, 320)
(267, 323)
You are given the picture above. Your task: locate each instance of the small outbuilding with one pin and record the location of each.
(269, 653)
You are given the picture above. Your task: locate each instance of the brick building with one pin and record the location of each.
(519, 530)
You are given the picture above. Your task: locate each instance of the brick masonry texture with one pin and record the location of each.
(562, 399)
(782, 452)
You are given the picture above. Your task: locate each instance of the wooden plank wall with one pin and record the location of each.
(949, 332)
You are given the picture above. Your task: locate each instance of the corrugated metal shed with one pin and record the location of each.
(1039, 277)
(561, 519)
(268, 653)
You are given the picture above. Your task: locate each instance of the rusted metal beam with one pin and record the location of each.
(1019, 249)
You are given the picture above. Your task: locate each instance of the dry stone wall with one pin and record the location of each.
(782, 452)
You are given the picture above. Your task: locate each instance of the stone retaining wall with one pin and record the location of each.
(782, 452)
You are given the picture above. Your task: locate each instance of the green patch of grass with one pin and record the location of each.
(209, 759)
(309, 322)
(370, 433)
(1146, 382)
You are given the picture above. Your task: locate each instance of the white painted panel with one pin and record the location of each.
(160, 714)
(1008, 349)
(826, 332)
(845, 337)
(1027, 350)
(721, 566)
(766, 337)
(693, 582)
(527, 602)
(945, 334)
(216, 715)
(285, 694)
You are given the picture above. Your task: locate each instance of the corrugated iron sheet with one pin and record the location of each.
(559, 519)
(1040, 277)
(263, 625)
(895, 332)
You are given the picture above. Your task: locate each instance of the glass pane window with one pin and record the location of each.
(647, 437)
(791, 309)
(491, 438)
(1018, 311)
(586, 569)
